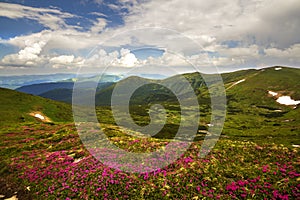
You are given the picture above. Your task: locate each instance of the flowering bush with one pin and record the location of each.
(53, 163)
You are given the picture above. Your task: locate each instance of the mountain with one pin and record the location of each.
(251, 87)
(247, 86)
(59, 94)
(262, 104)
(37, 89)
(62, 91)
(20, 107)
(64, 94)
(152, 90)
(13, 82)
(148, 76)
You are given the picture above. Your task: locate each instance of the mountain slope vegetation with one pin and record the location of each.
(16, 107)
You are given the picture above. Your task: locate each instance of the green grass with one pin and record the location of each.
(253, 159)
(16, 106)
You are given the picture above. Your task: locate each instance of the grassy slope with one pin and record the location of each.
(15, 107)
(233, 169)
(252, 112)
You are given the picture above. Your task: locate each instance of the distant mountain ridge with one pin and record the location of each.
(13, 82)
(37, 89)
(245, 86)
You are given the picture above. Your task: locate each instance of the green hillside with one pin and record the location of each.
(256, 156)
(254, 89)
(252, 113)
(16, 107)
(152, 90)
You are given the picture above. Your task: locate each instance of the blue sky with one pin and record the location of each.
(53, 36)
(85, 11)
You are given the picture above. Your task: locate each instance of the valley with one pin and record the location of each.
(257, 155)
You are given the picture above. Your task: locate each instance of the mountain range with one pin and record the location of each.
(248, 87)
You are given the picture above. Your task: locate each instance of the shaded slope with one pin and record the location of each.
(37, 89)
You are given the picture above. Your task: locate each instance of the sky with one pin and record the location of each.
(148, 36)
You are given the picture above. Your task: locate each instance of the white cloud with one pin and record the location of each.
(28, 56)
(293, 52)
(68, 39)
(99, 25)
(49, 17)
(63, 59)
(98, 14)
(101, 58)
(31, 56)
(127, 59)
(217, 21)
(265, 31)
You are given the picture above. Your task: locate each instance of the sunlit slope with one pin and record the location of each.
(18, 107)
(253, 90)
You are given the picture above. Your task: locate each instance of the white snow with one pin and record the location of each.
(273, 93)
(287, 100)
(239, 81)
(39, 116)
(278, 68)
(235, 83)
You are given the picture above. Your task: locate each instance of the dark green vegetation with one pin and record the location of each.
(254, 158)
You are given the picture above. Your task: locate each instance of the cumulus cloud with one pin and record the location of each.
(262, 32)
(122, 58)
(66, 61)
(28, 56)
(31, 56)
(127, 59)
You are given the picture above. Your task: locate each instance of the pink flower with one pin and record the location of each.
(232, 187)
(265, 168)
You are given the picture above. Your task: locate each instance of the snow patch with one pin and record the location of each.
(278, 68)
(239, 81)
(39, 116)
(235, 83)
(287, 100)
(273, 93)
